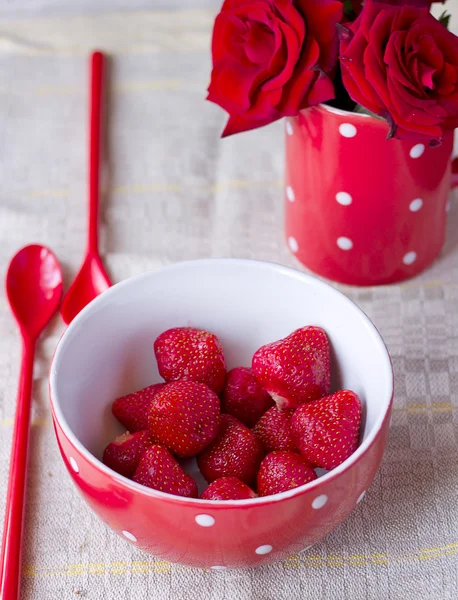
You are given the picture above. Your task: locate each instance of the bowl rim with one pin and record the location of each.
(359, 453)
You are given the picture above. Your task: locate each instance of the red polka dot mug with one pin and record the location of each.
(361, 209)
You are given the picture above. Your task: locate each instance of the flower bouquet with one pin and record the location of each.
(369, 91)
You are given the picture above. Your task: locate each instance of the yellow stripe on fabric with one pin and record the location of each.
(293, 562)
(120, 33)
(413, 409)
(148, 188)
(38, 422)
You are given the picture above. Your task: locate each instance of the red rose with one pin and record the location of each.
(356, 6)
(272, 58)
(402, 64)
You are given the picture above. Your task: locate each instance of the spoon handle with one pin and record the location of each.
(10, 566)
(95, 144)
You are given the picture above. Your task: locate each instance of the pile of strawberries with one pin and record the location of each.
(254, 431)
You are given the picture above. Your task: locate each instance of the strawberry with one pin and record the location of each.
(189, 354)
(160, 471)
(227, 488)
(281, 471)
(326, 431)
(296, 369)
(236, 452)
(274, 430)
(184, 417)
(124, 454)
(132, 410)
(244, 398)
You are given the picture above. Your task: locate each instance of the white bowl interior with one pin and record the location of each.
(108, 349)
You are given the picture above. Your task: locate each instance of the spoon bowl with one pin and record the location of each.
(91, 280)
(34, 288)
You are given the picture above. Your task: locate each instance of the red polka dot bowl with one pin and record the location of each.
(361, 209)
(107, 351)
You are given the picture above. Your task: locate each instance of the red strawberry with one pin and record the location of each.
(296, 369)
(191, 354)
(326, 431)
(132, 410)
(281, 471)
(160, 471)
(236, 452)
(274, 430)
(184, 417)
(244, 398)
(227, 488)
(124, 454)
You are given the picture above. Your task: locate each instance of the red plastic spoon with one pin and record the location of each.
(92, 278)
(34, 290)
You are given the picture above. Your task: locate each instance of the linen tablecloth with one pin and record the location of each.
(175, 191)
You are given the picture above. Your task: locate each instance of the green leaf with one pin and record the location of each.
(445, 19)
(348, 7)
(364, 111)
(348, 10)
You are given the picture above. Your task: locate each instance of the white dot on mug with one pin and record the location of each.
(417, 150)
(347, 130)
(205, 520)
(293, 245)
(416, 205)
(266, 549)
(290, 194)
(129, 536)
(409, 258)
(319, 501)
(344, 198)
(344, 243)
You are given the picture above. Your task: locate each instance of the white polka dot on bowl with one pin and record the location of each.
(264, 549)
(74, 464)
(417, 150)
(129, 536)
(416, 205)
(289, 127)
(293, 245)
(344, 198)
(344, 243)
(409, 258)
(290, 194)
(205, 520)
(347, 130)
(361, 497)
(319, 501)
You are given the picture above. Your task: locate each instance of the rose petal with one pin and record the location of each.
(297, 88)
(321, 17)
(287, 59)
